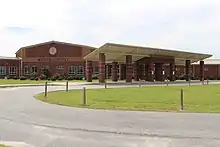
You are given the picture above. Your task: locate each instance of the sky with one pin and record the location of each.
(187, 25)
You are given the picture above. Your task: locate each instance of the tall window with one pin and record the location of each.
(12, 70)
(33, 69)
(2, 70)
(71, 70)
(26, 70)
(79, 70)
(95, 70)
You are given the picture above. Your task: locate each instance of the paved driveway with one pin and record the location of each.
(22, 118)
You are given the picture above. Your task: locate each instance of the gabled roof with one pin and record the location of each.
(57, 42)
(117, 52)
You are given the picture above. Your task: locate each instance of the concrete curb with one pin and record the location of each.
(43, 84)
(28, 85)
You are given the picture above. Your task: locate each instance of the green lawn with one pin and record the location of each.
(10, 81)
(202, 98)
(2, 145)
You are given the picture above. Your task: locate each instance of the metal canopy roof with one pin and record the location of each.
(117, 53)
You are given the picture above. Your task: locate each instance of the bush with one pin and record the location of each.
(15, 78)
(42, 77)
(23, 78)
(80, 78)
(60, 78)
(32, 78)
(70, 78)
(53, 79)
(95, 77)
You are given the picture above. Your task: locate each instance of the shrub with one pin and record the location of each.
(33, 75)
(15, 78)
(32, 78)
(60, 78)
(70, 78)
(42, 77)
(23, 78)
(56, 76)
(53, 79)
(95, 76)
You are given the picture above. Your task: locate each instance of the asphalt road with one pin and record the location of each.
(24, 119)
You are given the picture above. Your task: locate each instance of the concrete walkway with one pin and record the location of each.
(24, 119)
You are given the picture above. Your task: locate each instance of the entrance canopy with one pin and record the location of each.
(117, 52)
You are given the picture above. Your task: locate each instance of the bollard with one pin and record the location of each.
(45, 92)
(181, 99)
(189, 81)
(84, 96)
(67, 86)
(167, 82)
(207, 81)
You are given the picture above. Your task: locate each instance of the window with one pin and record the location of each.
(60, 67)
(95, 70)
(2, 70)
(12, 70)
(79, 70)
(26, 70)
(71, 70)
(33, 69)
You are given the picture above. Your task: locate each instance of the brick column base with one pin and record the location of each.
(89, 71)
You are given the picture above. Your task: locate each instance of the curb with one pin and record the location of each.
(11, 86)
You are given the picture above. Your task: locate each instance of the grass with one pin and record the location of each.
(202, 98)
(2, 145)
(11, 81)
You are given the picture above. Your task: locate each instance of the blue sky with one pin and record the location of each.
(189, 25)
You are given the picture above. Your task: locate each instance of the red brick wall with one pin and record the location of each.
(10, 62)
(63, 50)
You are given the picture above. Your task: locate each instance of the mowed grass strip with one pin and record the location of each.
(11, 81)
(201, 98)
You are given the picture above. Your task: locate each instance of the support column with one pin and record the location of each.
(101, 68)
(201, 71)
(146, 71)
(136, 72)
(114, 71)
(187, 70)
(159, 72)
(172, 72)
(121, 72)
(89, 71)
(142, 71)
(151, 71)
(128, 68)
(108, 71)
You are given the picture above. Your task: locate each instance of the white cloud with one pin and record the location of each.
(182, 24)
